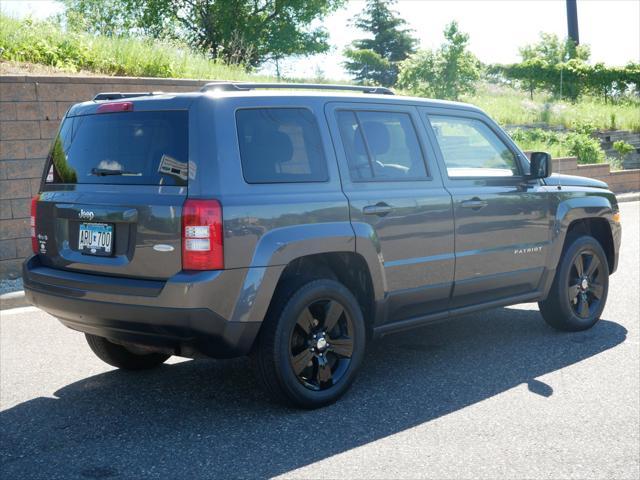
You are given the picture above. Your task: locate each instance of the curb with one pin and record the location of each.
(13, 300)
(628, 197)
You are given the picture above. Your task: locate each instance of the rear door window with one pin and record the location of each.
(280, 145)
(140, 148)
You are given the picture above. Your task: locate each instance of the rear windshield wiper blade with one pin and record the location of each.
(103, 172)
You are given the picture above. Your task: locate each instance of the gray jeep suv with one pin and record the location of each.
(297, 225)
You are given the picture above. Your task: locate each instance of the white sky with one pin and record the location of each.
(497, 28)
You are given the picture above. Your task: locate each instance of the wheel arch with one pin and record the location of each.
(587, 215)
(598, 228)
(348, 268)
(304, 252)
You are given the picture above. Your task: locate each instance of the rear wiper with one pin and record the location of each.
(103, 172)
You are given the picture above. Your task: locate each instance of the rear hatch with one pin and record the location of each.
(115, 182)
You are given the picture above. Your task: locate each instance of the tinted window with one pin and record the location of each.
(143, 148)
(381, 146)
(471, 149)
(280, 145)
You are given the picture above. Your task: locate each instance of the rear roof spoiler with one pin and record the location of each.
(243, 86)
(117, 95)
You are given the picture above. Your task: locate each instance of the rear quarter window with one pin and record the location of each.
(280, 145)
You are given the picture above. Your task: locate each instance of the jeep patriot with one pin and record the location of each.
(296, 223)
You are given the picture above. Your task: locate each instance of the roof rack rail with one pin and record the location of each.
(116, 95)
(242, 86)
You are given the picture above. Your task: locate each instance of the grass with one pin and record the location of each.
(557, 150)
(44, 42)
(513, 107)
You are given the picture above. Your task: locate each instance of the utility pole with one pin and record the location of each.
(572, 21)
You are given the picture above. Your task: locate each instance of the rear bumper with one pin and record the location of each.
(172, 316)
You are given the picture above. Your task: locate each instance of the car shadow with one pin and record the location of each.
(207, 418)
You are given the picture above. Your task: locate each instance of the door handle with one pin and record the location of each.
(474, 204)
(380, 209)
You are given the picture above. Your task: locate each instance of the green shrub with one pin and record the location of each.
(561, 144)
(623, 148)
(585, 127)
(585, 147)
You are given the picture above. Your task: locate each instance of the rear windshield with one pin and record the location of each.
(138, 148)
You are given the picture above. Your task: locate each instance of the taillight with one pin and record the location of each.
(202, 247)
(115, 107)
(34, 212)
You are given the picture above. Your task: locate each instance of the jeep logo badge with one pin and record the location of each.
(86, 214)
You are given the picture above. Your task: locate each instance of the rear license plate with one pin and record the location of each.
(95, 238)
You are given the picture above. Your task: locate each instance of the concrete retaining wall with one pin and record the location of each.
(619, 181)
(30, 111)
(607, 139)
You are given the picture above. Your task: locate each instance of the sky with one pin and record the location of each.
(497, 28)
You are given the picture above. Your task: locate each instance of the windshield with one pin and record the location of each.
(141, 148)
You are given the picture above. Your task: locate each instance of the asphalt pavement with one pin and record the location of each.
(496, 394)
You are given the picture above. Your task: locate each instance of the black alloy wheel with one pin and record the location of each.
(585, 291)
(311, 344)
(578, 294)
(321, 344)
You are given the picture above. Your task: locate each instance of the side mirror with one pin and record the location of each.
(540, 165)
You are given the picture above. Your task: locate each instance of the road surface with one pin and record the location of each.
(490, 395)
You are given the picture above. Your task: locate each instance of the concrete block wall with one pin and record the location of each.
(30, 111)
(619, 181)
(607, 139)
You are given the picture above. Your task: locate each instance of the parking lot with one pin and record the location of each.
(490, 395)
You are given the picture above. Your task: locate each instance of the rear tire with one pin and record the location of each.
(579, 290)
(311, 344)
(118, 356)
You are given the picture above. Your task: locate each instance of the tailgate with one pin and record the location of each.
(113, 192)
(145, 227)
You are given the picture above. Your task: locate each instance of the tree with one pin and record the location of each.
(558, 66)
(245, 32)
(376, 59)
(553, 51)
(448, 72)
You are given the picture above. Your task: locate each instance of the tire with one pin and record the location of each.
(298, 369)
(119, 357)
(579, 290)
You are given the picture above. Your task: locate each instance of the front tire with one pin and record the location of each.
(119, 357)
(311, 344)
(579, 290)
